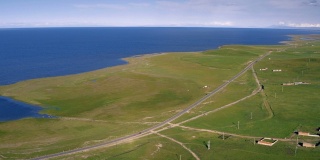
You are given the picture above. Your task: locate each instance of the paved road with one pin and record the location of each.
(149, 130)
(207, 96)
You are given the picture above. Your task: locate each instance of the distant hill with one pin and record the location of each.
(289, 27)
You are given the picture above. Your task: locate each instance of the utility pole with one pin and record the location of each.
(254, 141)
(209, 145)
(238, 124)
(295, 152)
(223, 135)
(251, 116)
(282, 88)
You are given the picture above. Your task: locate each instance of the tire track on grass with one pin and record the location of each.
(180, 143)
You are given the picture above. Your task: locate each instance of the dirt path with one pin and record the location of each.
(256, 91)
(220, 108)
(256, 77)
(181, 144)
(265, 101)
(230, 104)
(267, 106)
(231, 134)
(263, 94)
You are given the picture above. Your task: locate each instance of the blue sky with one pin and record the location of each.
(195, 13)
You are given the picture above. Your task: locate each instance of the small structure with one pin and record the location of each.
(263, 69)
(267, 141)
(294, 83)
(298, 83)
(287, 84)
(303, 133)
(307, 134)
(308, 145)
(276, 70)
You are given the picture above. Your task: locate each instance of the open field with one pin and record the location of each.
(229, 148)
(105, 104)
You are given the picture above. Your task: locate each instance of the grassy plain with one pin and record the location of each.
(232, 148)
(104, 104)
(293, 107)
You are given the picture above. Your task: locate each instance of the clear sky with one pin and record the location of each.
(195, 13)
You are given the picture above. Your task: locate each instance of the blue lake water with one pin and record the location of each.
(45, 52)
(34, 53)
(13, 110)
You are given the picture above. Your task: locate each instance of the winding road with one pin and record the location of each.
(150, 130)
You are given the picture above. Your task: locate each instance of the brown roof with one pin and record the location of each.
(303, 133)
(265, 143)
(308, 145)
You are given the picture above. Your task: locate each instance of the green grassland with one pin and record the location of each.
(150, 147)
(236, 148)
(105, 104)
(232, 148)
(244, 85)
(293, 107)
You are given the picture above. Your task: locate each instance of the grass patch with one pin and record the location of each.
(237, 148)
(150, 147)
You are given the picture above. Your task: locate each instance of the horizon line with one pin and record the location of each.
(231, 27)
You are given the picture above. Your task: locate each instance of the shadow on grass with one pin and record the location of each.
(224, 137)
(289, 151)
(205, 144)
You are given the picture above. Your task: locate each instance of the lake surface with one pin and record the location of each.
(13, 110)
(45, 52)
